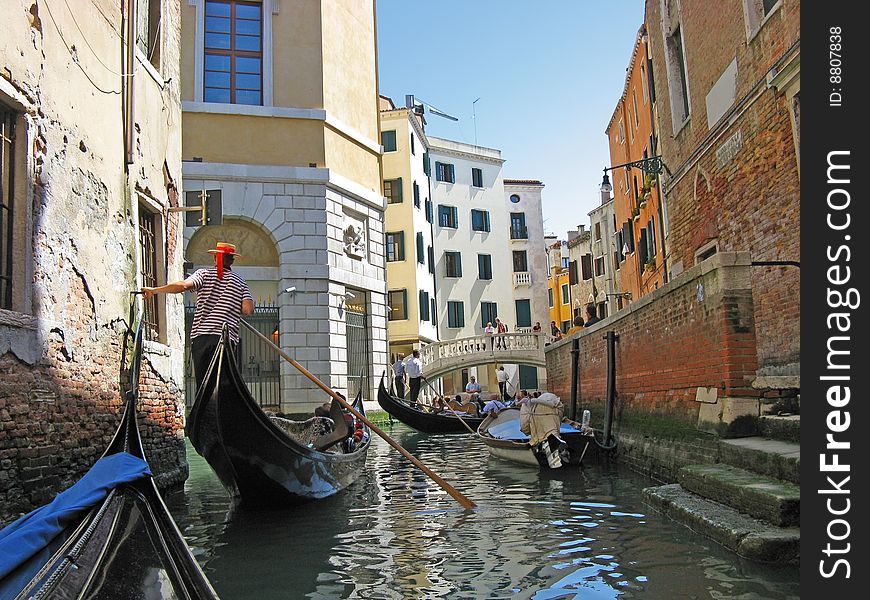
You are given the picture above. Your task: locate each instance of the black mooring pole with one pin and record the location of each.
(575, 379)
(611, 338)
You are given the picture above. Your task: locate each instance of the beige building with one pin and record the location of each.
(90, 163)
(281, 135)
(409, 252)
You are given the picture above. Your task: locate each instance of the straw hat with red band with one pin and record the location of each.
(220, 249)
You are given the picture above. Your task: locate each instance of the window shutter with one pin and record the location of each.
(572, 272)
(421, 257)
(397, 189)
(651, 237)
(642, 248)
(427, 165)
(431, 260)
(455, 214)
(458, 264)
(586, 266)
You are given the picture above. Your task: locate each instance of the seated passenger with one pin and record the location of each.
(493, 406)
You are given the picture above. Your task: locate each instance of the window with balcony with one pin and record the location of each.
(480, 220)
(398, 303)
(393, 190)
(233, 52)
(521, 261)
(484, 266)
(455, 314)
(452, 264)
(447, 216)
(395, 246)
(444, 172)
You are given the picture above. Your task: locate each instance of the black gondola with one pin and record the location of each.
(263, 459)
(125, 545)
(422, 420)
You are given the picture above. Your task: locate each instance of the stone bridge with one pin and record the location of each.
(440, 358)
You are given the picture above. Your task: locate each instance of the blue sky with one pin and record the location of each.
(548, 74)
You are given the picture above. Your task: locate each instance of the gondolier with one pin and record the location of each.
(414, 368)
(399, 368)
(222, 297)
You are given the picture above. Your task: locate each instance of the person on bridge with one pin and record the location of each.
(414, 368)
(578, 325)
(500, 327)
(399, 369)
(222, 297)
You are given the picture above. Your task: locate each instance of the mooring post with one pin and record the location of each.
(575, 379)
(611, 338)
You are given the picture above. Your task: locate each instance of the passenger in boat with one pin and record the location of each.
(222, 297)
(322, 410)
(472, 386)
(493, 406)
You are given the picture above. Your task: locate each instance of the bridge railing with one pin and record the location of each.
(497, 343)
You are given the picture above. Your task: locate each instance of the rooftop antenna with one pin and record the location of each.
(474, 118)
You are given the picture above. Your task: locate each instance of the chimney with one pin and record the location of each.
(409, 100)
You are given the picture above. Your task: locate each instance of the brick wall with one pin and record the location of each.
(695, 332)
(735, 182)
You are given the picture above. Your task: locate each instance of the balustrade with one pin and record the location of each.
(480, 349)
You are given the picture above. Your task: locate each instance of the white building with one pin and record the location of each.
(606, 252)
(528, 254)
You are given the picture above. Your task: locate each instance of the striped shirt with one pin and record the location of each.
(218, 301)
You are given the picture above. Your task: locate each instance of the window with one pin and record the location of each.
(524, 313)
(518, 226)
(413, 148)
(388, 140)
(421, 249)
(393, 190)
(427, 165)
(550, 297)
(484, 266)
(597, 231)
(643, 84)
(148, 29)
(424, 305)
(477, 177)
(8, 185)
(677, 81)
(444, 172)
(432, 311)
(428, 210)
(521, 261)
(566, 325)
(416, 195)
(634, 100)
(479, 220)
(586, 267)
(651, 238)
(755, 12)
(150, 244)
(452, 264)
(566, 299)
(599, 266)
(572, 273)
(621, 132)
(233, 69)
(395, 246)
(455, 314)
(565, 261)
(447, 216)
(398, 303)
(488, 313)
(515, 198)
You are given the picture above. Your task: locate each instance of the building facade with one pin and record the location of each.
(636, 198)
(524, 207)
(281, 137)
(580, 269)
(409, 249)
(91, 166)
(605, 265)
(559, 294)
(728, 88)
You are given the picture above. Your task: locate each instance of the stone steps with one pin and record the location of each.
(748, 537)
(779, 427)
(771, 500)
(774, 458)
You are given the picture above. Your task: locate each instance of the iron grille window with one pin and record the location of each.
(7, 203)
(233, 52)
(395, 246)
(455, 314)
(452, 264)
(393, 190)
(398, 302)
(148, 252)
(388, 140)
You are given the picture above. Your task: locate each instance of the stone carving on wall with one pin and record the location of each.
(354, 236)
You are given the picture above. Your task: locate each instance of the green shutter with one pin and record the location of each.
(421, 257)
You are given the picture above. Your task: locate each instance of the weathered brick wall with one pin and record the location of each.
(696, 331)
(746, 198)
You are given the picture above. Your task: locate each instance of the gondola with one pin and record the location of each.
(502, 436)
(421, 420)
(108, 536)
(263, 459)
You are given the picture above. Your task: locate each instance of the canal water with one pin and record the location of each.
(395, 534)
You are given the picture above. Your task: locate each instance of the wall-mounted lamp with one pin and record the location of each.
(653, 165)
(623, 295)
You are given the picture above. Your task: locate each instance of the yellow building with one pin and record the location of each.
(408, 230)
(280, 136)
(558, 285)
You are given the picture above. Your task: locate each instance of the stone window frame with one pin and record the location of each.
(144, 202)
(676, 66)
(755, 18)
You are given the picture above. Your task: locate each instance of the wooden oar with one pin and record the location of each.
(455, 413)
(465, 502)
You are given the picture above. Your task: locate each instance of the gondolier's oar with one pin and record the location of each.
(465, 502)
(467, 426)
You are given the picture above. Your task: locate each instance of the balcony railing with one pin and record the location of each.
(519, 232)
(522, 278)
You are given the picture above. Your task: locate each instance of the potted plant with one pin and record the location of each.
(650, 265)
(635, 214)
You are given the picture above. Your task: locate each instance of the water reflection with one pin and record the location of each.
(395, 534)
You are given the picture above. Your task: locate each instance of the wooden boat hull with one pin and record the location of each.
(257, 462)
(126, 546)
(421, 420)
(520, 450)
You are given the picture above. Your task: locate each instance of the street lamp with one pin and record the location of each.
(653, 165)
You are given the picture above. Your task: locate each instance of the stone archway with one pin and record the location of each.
(255, 245)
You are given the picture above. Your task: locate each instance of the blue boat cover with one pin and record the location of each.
(510, 430)
(32, 532)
